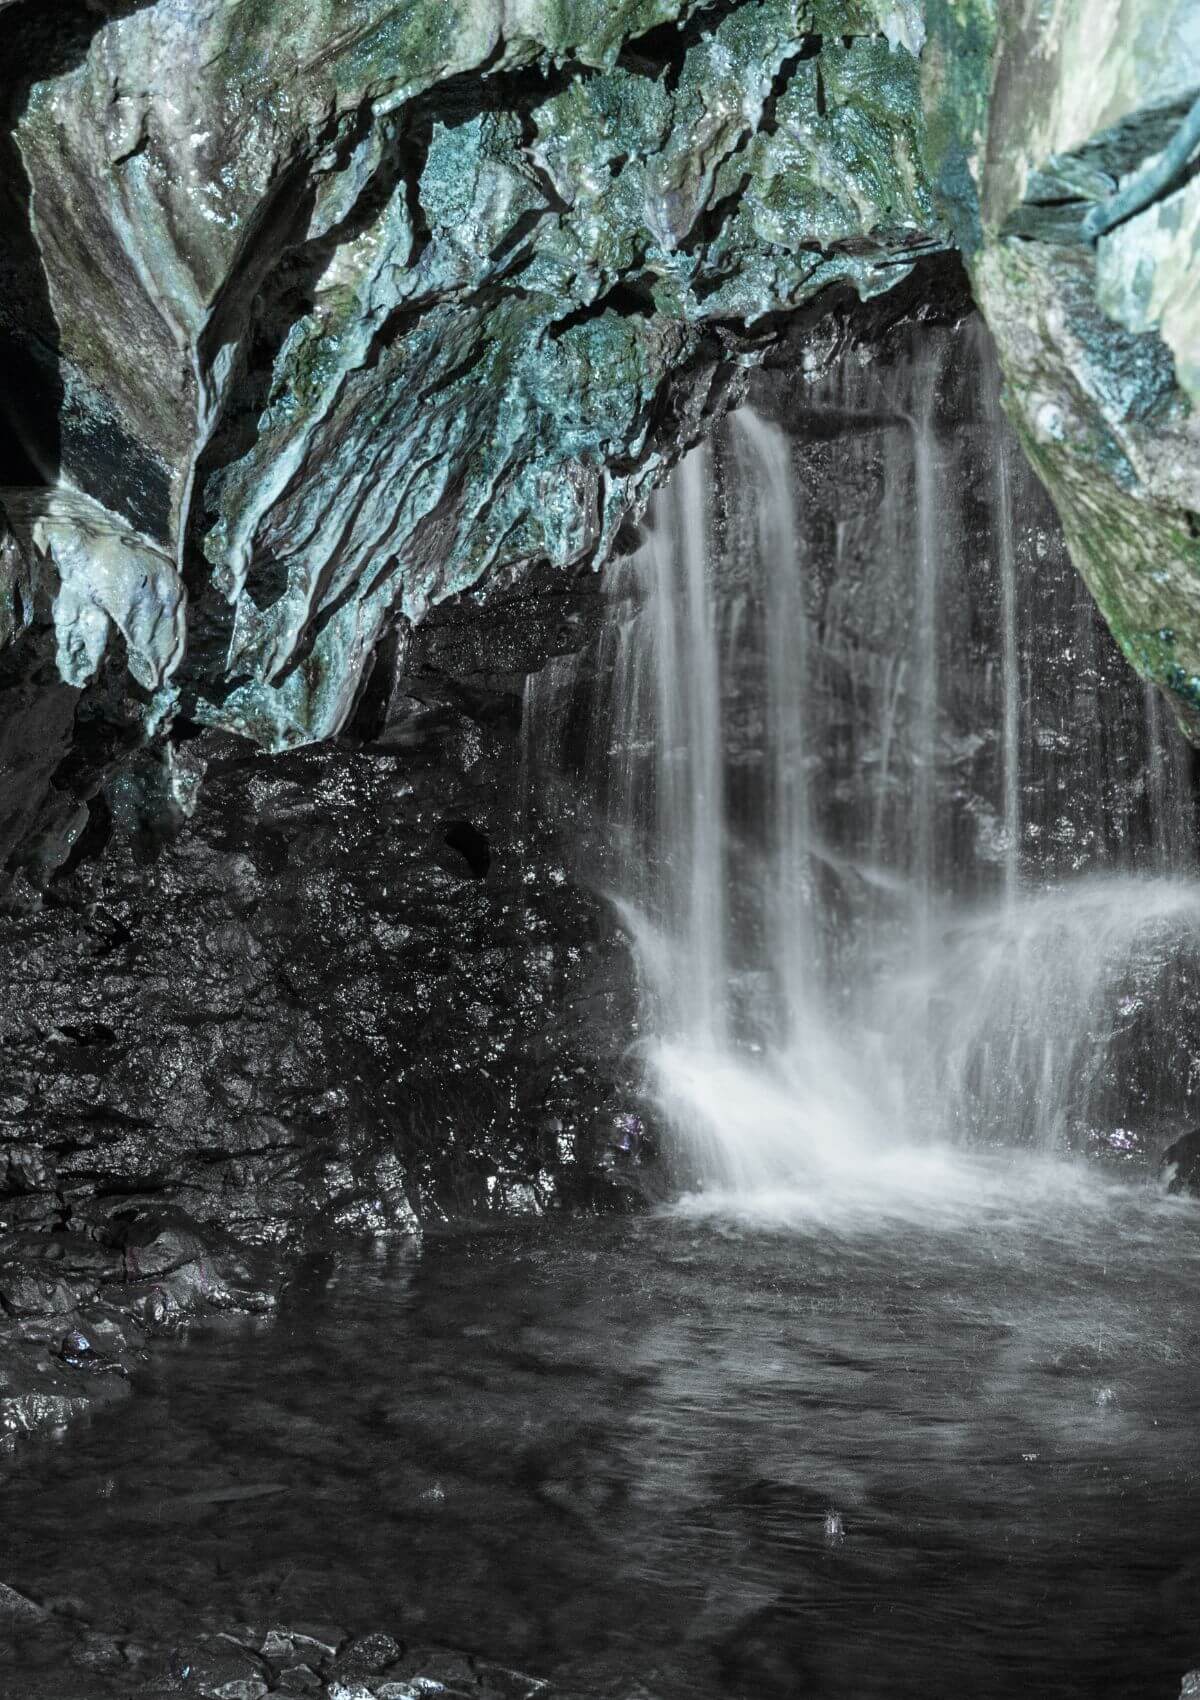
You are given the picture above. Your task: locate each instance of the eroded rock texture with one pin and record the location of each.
(315, 314)
(340, 340)
(324, 312)
(1063, 146)
(352, 989)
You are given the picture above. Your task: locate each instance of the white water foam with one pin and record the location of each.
(938, 1043)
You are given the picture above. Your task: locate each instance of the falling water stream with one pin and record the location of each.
(897, 1400)
(856, 995)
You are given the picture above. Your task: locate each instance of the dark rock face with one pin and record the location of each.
(1180, 1164)
(356, 949)
(348, 990)
(972, 735)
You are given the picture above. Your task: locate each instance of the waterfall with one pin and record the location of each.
(882, 898)
(926, 667)
(764, 472)
(1006, 565)
(672, 879)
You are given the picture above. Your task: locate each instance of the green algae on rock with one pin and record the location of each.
(340, 308)
(1051, 118)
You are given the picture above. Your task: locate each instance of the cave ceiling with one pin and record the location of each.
(317, 313)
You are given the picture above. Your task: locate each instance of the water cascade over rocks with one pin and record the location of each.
(905, 853)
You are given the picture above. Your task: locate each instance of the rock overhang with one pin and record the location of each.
(341, 311)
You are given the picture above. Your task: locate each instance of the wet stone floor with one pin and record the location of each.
(707, 1457)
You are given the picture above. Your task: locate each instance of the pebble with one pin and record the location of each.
(299, 1679)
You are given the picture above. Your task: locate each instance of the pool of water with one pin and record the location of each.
(747, 1448)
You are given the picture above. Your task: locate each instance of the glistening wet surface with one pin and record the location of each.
(771, 1451)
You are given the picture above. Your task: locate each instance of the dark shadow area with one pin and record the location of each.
(471, 845)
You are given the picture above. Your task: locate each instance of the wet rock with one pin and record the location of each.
(150, 1244)
(42, 1211)
(104, 1654)
(318, 1642)
(1180, 1164)
(403, 1037)
(370, 1197)
(37, 1292)
(218, 1669)
(78, 1351)
(367, 1656)
(300, 1680)
(37, 1394)
(428, 1671)
(25, 1169)
(16, 1608)
(1092, 307)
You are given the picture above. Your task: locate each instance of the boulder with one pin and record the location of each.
(1180, 1164)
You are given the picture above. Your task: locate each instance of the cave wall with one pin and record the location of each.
(342, 342)
(314, 316)
(319, 315)
(1062, 147)
(265, 975)
(358, 989)
(978, 755)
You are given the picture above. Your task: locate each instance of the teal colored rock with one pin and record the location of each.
(340, 307)
(380, 299)
(104, 579)
(1054, 115)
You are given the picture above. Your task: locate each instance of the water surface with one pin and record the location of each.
(769, 1447)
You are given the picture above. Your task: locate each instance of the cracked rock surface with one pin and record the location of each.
(341, 341)
(325, 312)
(1047, 128)
(314, 315)
(378, 300)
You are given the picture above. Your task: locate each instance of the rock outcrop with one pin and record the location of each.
(317, 315)
(1063, 146)
(341, 340)
(323, 313)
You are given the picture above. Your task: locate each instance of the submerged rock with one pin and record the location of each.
(16, 1608)
(1180, 1164)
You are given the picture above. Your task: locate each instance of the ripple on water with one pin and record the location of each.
(751, 1447)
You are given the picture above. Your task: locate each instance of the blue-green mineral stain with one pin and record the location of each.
(516, 386)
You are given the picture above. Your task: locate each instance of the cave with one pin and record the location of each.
(599, 849)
